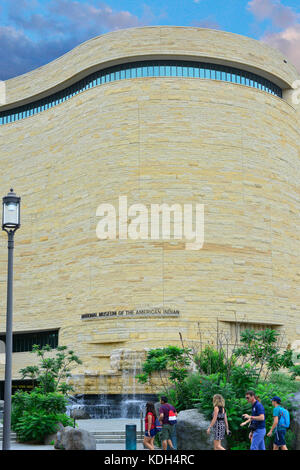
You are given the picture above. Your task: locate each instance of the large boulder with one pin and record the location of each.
(74, 439)
(295, 421)
(191, 431)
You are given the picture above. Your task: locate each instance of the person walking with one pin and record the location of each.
(258, 422)
(219, 422)
(150, 429)
(279, 425)
(167, 417)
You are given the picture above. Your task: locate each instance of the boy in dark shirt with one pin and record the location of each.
(167, 428)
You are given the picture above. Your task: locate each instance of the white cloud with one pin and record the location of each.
(288, 42)
(36, 38)
(281, 17)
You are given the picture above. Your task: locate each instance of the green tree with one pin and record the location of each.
(261, 349)
(210, 361)
(171, 364)
(51, 372)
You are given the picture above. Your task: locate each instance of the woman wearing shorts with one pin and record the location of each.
(150, 430)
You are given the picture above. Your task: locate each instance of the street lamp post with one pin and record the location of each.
(10, 223)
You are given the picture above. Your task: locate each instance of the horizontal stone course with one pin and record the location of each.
(152, 42)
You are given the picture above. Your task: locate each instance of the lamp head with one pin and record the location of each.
(11, 211)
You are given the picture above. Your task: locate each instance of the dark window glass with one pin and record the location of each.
(23, 342)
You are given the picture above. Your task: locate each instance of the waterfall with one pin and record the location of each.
(128, 404)
(131, 405)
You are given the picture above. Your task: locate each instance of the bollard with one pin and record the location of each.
(130, 436)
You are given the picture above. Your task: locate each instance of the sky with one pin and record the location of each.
(35, 32)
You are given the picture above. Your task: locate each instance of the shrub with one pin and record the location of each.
(229, 374)
(233, 392)
(235, 405)
(171, 363)
(35, 425)
(262, 350)
(210, 361)
(295, 370)
(36, 414)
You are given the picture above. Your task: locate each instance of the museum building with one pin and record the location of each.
(164, 116)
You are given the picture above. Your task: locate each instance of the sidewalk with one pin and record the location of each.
(92, 425)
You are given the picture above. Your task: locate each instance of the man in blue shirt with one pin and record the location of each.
(280, 430)
(258, 422)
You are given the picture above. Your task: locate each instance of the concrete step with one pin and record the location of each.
(102, 437)
(113, 437)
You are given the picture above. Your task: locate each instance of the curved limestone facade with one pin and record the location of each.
(156, 138)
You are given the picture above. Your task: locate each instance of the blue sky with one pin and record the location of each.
(34, 32)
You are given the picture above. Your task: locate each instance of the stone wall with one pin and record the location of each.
(153, 42)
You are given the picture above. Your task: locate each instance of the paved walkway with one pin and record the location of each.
(15, 446)
(101, 425)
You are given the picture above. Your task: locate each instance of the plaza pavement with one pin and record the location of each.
(100, 425)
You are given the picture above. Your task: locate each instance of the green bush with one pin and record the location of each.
(35, 425)
(235, 405)
(254, 365)
(200, 390)
(210, 361)
(36, 414)
(295, 370)
(240, 446)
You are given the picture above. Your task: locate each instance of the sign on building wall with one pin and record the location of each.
(163, 312)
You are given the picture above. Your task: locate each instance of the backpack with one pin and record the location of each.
(158, 426)
(284, 418)
(171, 416)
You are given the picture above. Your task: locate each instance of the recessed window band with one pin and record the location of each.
(159, 68)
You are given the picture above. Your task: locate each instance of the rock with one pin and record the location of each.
(57, 441)
(75, 439)
(79, 413)
(50, 438)
(191, 431)
(295, 421)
